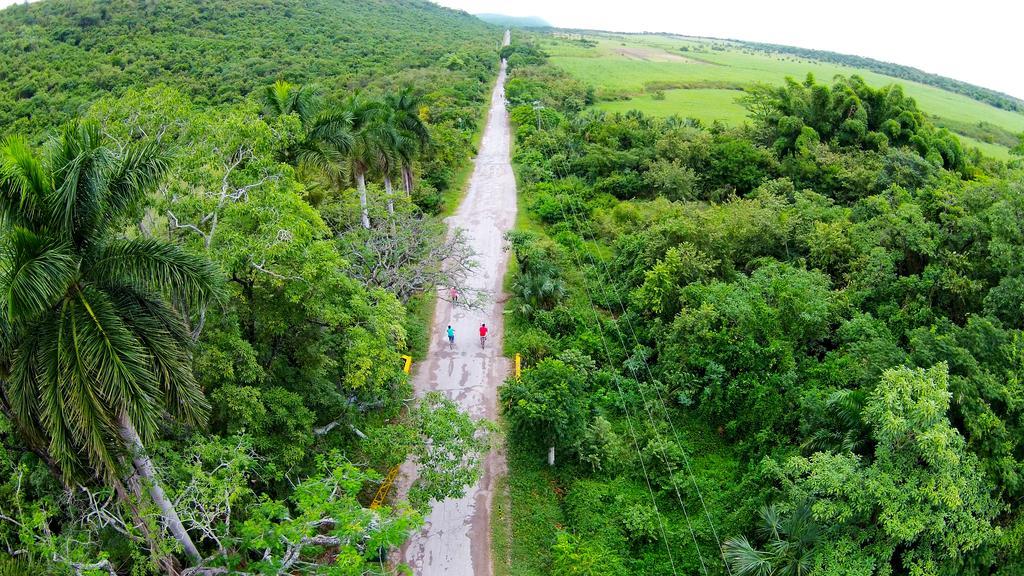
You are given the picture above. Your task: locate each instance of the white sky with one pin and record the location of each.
(977, 41)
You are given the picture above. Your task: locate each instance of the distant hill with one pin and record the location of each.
(704, 78)
(515, 21)
(981, 94)
(59, 56)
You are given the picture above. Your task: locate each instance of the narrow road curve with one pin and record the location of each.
(456, 540)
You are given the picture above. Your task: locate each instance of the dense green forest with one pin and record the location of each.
(61, 56)
(218, 232)
(997, 99)
(792, 348)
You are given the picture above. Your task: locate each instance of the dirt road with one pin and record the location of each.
(456, 540)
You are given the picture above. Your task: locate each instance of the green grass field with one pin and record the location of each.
(702, 79)
(704, 104)
(994, 150)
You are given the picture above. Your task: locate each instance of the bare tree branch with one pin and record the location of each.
(262, 268)
(413, 255)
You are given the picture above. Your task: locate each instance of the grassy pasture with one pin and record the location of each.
(701, 78)
(704, 104)
(994, 150)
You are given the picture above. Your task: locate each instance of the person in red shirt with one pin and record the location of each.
(483, 334)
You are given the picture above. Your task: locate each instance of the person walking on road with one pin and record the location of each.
(451, 337)
(453, 293)
(483, 334)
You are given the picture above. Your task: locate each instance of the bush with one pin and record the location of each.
(426, 196)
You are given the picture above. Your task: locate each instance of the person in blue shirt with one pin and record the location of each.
(451, 337)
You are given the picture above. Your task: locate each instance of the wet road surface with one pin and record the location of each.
(456, 539)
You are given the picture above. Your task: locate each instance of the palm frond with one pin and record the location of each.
(36, 273)
(136, 172)
(333, 128)
(847, 406)
(23, 391)
(78, 163)
(282, 97)
(312, 155)
(24, 185)
(107, 353)
(771, 522)
(800, 526)
(804, 563)
(37, 370)
(162, 333)
(276, 98)
(405, 105)
(152, 265)
(744, 559)
(83, 408)
(6, 340)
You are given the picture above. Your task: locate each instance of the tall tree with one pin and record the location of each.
(327, 129)
(405, 109)
(372, 140)
(96, 350)
(283, 97)
(392, 152)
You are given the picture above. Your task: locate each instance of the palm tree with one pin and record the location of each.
(328, 130)
(393, 151)
(324, 151)
(373, 139)
(789, 548)
(842, 427)
(96, 344)
(404, 106)
(354, 139)
(281, 98)
(386, 165)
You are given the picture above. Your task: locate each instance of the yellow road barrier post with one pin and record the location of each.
(519, 365)
(385, 487)
(389, 480)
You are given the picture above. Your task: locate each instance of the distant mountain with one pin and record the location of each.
(515, 21)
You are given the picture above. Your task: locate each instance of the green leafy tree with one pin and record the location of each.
(549, 402)
(921, 497)
(302, 343)
(660, 293)
(445, 444)
(448, 451)
(925, 481)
